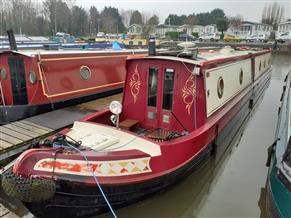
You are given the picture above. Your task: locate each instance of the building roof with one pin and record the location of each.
(185, 25)
(210, 25)
(285, 22)
(166, 26)
(255, 23)
(134, 25)
(38, 38)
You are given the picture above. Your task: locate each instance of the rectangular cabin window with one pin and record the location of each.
(152, 87)
(168, 89)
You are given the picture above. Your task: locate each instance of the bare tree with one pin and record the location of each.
(70, 3)
(236, 21)
(50, 8)
(273, 14)
(126, 15)
(191, 20)
(2, 17)
(150, 25)
(145, 16)
(94, 19)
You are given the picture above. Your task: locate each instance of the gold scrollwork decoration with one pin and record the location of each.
(188, 92)
(135, 84)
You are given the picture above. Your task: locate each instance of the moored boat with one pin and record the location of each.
(176, 111)
(279, 160)
(33, 82)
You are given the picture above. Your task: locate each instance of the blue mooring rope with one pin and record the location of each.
(95, 178)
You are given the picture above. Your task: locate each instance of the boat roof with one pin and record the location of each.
(32, 53)
(207, 55)
(203, 55)
(217, 54)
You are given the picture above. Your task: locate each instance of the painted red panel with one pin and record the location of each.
(62, 77)
(59, 78)
(188, 95)
(6, 84)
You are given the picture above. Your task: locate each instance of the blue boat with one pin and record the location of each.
(278, 202)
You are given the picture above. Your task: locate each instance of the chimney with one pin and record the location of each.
(152, 46)
(11, 38)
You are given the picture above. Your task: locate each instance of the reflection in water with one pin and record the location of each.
(262, 203)
(230, 187)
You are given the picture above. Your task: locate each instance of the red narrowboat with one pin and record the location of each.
(33, 82)
(175, 113)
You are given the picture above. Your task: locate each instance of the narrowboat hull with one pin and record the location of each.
(80, 200)
(278, 185)
(73, 203)
(278, 195)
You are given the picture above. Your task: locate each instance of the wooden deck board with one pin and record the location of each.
(14, 133)
(30, 128)
(4, 144)
(21, 130)
(10, 139)
(35, 125)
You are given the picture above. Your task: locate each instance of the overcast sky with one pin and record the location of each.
(250, 10)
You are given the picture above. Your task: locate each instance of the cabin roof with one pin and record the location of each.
(170, 58)
(212, 55)
(204, 56)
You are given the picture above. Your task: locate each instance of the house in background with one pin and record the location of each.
(246, 28)
(233, 30)
(284, 26)
(252, 28)
(189, 29)
(210, 29)
(186, 28)
(162, 29)
(198, 29)
(134, 30)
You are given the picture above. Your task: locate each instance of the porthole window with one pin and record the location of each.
(85, 73)
(220, 87)
(260, 66)
(241, 76)
(3, 74)
(32, 77)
